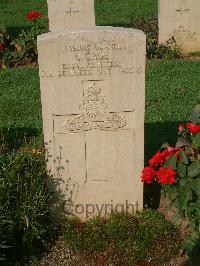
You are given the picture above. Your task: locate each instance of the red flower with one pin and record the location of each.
(2, 46)
(166, 176)
(193, 128)
(148, 175)
(181, 127)
(169, 152)
(157, 159)
(32, 15)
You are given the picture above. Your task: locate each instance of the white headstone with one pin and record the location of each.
(93, 101)
(70, 14)
(180, 19)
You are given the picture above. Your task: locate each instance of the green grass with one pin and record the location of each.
(122, 12)
(13, 13)
(123, 239)
(172, 89)
(20, 104)
(20, 99)
(108, 12)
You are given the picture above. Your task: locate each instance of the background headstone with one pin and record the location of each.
(93, 101)
(70, 14)
(181, 19)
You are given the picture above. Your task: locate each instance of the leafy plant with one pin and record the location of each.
(22, 49)
(124, 239)
(25, 204)
(197, 53)
(177, 169)
(5, 47)
(169, 50)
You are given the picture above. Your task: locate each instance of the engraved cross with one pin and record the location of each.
(71, 11)
(183, 10)
(94, 115)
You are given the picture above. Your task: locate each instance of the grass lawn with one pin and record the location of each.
(108, 12)
(172, 89)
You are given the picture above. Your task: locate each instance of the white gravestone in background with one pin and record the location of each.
(181, 19)
(93, 100)
(70, 14)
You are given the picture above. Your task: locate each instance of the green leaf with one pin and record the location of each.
(188, 244)
(181, 171)
(165, 145)
(184, 157)
(194, 169)
(196, 186)
(172, 161)
(196, 140)
(189, 149)
(183, 182)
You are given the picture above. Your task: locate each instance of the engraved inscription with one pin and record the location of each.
(96, 59)
(71, 10)
(185, 35)
(182, 28)
(94, 113)
(182, 18)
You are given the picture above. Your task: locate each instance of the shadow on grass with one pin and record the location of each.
(14, 138)
(155, 135)
(195, 256)
(121, 25)
(14, 31)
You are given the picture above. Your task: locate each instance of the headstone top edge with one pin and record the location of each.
(107, 29)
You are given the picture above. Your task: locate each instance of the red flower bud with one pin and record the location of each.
(32, 15)
(181, 127)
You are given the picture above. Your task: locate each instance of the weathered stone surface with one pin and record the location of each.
(92, 88)
(70, 14)
(181, 19)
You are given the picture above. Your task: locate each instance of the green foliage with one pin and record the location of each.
(121, 13)
(108, 12)
(22, 49)
(20, 116)
(169, 50)
(124, 238)
(13, 13)
(25, 201)
(185, 193)
(194, 53)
